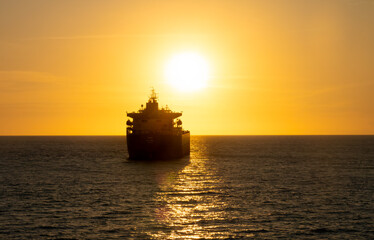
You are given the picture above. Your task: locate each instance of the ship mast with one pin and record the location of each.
(153, 97)
(152, 104)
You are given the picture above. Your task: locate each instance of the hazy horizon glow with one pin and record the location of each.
(275, 67)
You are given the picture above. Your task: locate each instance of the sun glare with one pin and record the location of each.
(187, 71)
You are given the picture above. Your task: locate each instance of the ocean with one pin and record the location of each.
(231, 187)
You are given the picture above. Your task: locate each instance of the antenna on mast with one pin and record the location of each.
(153, 96)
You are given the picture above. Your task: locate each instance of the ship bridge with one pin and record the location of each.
(153, 119)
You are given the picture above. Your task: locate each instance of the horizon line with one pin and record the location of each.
(218, 135)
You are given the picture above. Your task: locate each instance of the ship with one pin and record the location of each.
(156, 133)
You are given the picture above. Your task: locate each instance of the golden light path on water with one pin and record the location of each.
(189, 200)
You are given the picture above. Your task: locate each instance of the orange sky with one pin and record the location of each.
(277, 67)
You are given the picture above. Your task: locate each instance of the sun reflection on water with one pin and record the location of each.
(189, 201)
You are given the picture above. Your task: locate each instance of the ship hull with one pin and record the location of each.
(153, 146)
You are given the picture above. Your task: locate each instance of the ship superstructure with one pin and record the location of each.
(156, 133)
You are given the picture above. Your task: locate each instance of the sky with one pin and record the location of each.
(276, 67)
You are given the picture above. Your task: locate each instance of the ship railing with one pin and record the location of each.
(172, 131)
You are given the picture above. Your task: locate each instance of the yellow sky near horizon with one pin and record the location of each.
(277, 67)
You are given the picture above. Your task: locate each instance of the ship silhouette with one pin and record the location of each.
(155, 133)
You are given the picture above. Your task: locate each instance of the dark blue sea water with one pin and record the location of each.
(260, 187)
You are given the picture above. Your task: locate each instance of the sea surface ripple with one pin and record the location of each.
(231, 187)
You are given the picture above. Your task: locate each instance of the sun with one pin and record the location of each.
(187, 71)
